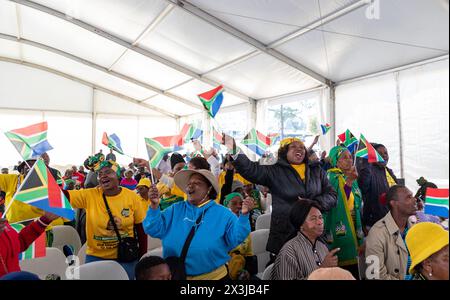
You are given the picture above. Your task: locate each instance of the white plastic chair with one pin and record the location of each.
(153, 243)
(267, 272)
(82, 254)
(263, 221)
(101, 270)
(259, 243)
(154, 252)
(53, 263)
(66, 235)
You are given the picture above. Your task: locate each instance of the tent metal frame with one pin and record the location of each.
(128, 45)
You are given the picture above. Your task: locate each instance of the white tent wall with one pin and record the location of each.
(419, 125)
(424, 95)
(73, 111)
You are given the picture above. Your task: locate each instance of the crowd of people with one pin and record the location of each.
(331, 216)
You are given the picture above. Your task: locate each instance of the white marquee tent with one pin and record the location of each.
(134, 67)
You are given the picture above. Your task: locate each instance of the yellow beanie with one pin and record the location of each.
(145, 182)
(423, 240)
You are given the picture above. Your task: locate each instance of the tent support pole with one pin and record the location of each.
(400, 131)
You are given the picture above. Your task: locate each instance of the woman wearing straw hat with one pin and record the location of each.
(216, 230)
(428, 246)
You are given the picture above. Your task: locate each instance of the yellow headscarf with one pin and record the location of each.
(288, 141)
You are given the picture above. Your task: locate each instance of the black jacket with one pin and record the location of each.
(286, 186)
(372, 182)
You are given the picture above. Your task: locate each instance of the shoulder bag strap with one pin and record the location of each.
(191, 236)
(111, 218)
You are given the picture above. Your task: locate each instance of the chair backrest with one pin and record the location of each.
(267, 272)
(102, 270)
(259, 243)
(153, 243)
(82, 254)
(66, 235)
(154, 252)
(263, 221)
(53, 263)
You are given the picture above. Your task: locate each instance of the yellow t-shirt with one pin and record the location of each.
(301, 170)
(126, 208)
(144, 204)
(20, 211)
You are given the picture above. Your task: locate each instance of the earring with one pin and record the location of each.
(431, 275)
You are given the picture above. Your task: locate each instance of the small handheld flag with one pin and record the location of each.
(30, 142)
(112, 142)
(274, 138)
(212, 100)
(40, 189)
(256, 142)
(36, 249)
(436, 202)
(349, 141)
(325, 128)
(190, 132)
(367, 151)
(157, 147)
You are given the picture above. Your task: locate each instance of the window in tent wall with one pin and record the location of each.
(293, 119)
(13, 119)
(233, 123)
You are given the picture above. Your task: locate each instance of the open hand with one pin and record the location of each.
(229, 142)
(153, 195)
(141, 163)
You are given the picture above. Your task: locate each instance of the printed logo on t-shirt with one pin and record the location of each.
(125, 212)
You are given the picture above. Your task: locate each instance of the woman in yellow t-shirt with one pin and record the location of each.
(125, 206)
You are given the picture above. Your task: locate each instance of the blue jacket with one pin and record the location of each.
(219, 232)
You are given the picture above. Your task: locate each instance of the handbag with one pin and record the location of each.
(177, 264)
(128, 248)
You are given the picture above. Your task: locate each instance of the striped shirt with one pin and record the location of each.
(298, 259)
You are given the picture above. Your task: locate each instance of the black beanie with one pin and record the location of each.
(300, 210)
(176, 158)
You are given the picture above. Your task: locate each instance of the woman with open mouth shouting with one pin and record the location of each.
(113, 214)
(290, 178)
(197, 234)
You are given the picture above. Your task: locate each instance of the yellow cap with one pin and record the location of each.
(288, 141)
(145, 182)
(423, 240)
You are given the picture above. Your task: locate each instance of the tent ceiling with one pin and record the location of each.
(162, 54)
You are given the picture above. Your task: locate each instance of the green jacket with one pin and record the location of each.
(343, 230)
